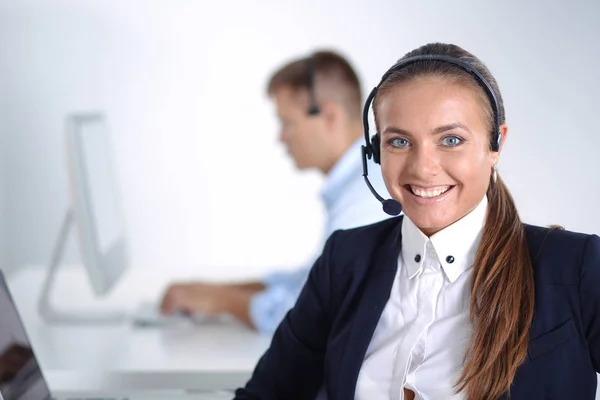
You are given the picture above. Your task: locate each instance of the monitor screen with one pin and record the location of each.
(98, 168)
(96, 200)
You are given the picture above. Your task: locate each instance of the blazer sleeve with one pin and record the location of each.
(292, 367)
(589, 293)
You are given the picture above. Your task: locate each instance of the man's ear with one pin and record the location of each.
(331, 113)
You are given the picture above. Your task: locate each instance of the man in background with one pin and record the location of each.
(319, 106)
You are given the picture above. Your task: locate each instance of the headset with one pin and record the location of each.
(371, 149)
(313, 108)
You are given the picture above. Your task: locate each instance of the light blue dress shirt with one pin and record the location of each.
(348, 204)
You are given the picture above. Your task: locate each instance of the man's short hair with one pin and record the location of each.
(333, 79)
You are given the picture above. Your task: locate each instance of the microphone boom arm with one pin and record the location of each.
(366, 173)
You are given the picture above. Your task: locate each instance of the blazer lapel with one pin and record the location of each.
(376, 288)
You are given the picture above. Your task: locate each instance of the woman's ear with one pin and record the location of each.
(504, 134)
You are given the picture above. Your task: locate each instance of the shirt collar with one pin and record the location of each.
(455, 246)
(343, 171)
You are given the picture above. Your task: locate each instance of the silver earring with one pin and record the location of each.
(495, 174)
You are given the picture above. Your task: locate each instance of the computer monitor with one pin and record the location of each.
(95, 211)
(96, 200)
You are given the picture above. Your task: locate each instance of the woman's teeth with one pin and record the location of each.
(427, 193)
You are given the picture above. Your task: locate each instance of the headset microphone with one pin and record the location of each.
(390, 206)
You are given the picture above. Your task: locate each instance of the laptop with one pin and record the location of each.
(21, 377)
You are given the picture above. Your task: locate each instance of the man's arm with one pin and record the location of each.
(252, 287)
(259, 305)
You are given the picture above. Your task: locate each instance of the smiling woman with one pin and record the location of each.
(438, 159)
(458, 298)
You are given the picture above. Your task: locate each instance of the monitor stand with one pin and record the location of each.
(45, 308)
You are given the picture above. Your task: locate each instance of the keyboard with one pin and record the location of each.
(148, 314)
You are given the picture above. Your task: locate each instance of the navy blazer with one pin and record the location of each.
(324, 338)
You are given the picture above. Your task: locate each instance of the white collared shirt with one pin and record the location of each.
(421, 338)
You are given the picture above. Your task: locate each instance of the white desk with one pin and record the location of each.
(73, 358)
(207, 357)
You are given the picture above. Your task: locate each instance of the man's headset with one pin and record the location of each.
(372, 147)
(313, 108)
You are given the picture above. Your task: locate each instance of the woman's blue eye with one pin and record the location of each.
(452, 141)
(399, 142)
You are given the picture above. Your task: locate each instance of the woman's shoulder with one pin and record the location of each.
(351, 254)
(369, 235)
(347, 247)
(563, 251)
(555, 237)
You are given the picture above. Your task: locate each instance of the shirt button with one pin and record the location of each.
(449, 259)
(418, 258)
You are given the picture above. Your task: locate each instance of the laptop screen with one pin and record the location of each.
(20, 374)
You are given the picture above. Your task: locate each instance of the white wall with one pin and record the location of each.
(182, 83)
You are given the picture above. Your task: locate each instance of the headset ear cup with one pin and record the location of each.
(375, 146)
(314, 110)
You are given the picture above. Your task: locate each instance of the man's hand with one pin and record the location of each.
(192, 298)
(211, 299)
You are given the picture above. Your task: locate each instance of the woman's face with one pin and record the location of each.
(435, 150)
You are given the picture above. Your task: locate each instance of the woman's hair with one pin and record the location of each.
(502, 295)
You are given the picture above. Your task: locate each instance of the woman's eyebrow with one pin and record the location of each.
(449, 127)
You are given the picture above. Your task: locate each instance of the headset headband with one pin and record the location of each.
(496, 137)
(313, 107)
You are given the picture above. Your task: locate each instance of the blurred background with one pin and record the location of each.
(205, 184)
